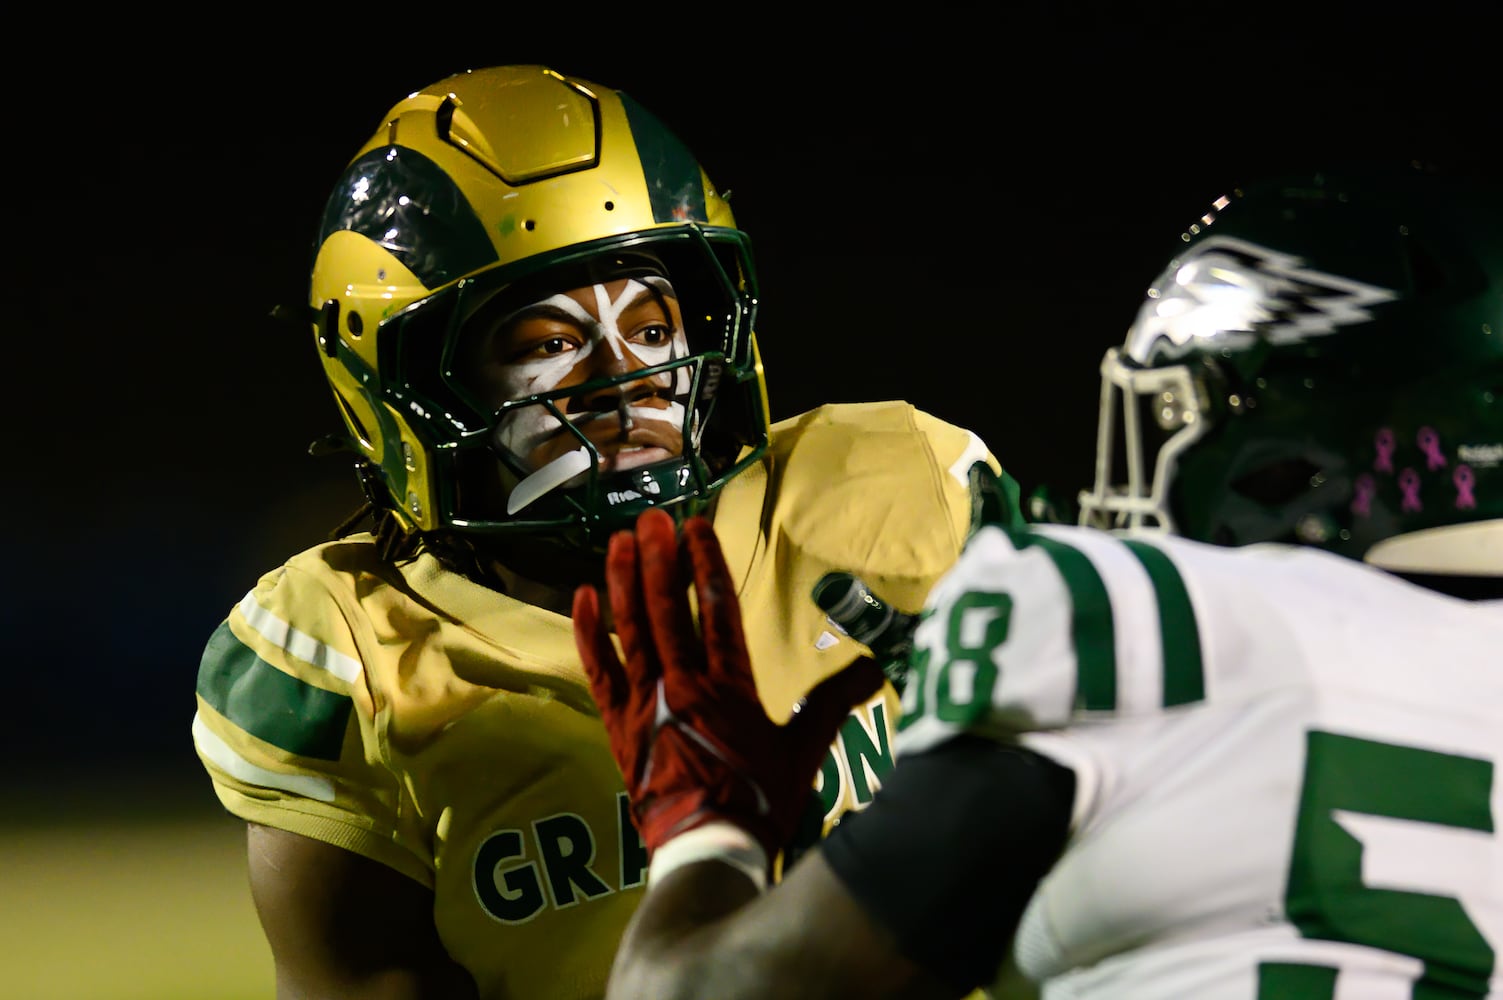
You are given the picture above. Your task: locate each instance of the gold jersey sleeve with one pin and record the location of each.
(445, 730)
(278, 726)
(881, 490)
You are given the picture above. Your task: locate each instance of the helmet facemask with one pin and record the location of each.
(1194, 456)
(533, 446)
(1162, 412)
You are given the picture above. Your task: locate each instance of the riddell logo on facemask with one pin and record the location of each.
(615, 497)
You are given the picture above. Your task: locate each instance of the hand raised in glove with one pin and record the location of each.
(686, 726)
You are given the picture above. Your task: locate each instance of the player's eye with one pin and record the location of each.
(531, 349)
(554, 345)
(653, 335)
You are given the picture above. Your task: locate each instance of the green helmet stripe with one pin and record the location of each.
(267, 703)
(674, 187)
(393, 466)
(1091, 625)
(401, 199)
(1179, 636)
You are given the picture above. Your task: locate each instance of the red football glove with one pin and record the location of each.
(686, 726)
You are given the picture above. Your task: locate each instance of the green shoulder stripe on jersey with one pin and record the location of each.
(1091, 622)
(271, 705)
(1179, 635)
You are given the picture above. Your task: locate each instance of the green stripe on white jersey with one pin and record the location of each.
(1179, 637)
(1094, 624)
(1091, 630)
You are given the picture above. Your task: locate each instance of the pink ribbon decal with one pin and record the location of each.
(1409, 482)
(1464, 481)
(1429, 442)
(1383, 440)
(1362, 503)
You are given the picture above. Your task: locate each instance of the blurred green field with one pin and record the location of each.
(136, 890)
(101, 900)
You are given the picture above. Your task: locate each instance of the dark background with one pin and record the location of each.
(959, 210)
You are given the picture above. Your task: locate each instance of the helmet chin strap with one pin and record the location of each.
(549, 477)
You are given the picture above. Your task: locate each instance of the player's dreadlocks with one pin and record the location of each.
(396, 544)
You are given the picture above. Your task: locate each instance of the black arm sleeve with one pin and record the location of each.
(952, 847)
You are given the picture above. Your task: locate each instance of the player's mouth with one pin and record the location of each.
(632, 456)
(557, 464)
(648, 441)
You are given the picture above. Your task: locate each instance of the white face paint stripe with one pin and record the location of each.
(672, 414)
(523, 430)
(606, 330)
(609, 328)
(523, 378)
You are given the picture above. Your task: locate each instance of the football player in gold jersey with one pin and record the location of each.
(536, 317)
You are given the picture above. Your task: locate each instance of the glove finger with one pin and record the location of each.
(728, 661)
(665, 594)
(826, 706)
(608, 683)
(641, 666)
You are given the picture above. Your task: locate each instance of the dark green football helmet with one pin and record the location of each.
(1321, 362)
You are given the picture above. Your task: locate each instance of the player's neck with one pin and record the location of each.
(554, 597)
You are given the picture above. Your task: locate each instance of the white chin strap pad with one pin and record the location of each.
(549, 477)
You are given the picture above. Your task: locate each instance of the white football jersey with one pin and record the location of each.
(1286, 763)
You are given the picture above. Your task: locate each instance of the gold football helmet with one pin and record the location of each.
(503, 189)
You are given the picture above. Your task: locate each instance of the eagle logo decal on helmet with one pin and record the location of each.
(1234, 292)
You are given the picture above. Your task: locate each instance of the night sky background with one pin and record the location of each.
(961, 211)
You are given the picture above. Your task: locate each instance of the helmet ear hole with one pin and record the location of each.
(1277, 483)
(327, 322)
(361, 434)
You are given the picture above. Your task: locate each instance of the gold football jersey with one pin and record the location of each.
(443, 729)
